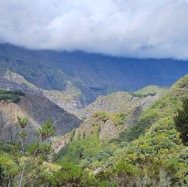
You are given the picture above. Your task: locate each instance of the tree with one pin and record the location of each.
(26, 158)
(181, 121)
(46, 131)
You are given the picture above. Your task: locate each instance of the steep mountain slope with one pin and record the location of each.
(124, 101)
(64, 99)
(90, 74)
(148, 153)
(37, 109)
(117, 101)
(110, 115)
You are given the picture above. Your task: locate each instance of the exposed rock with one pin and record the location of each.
(37, 109)
(109, 131)
(64, 99)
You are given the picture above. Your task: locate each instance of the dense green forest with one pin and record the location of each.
(152, 152)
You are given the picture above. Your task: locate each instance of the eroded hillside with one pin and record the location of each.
(37, 110)
(149, 152)
(112, 114)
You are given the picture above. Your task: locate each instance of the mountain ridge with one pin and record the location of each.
(90, 74)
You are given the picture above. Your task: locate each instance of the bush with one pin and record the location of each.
(119, 118)
(10, 96)
(181, 121)
(101, 115)
(139, 94)
(139, 127)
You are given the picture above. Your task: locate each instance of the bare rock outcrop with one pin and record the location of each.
(37, 110)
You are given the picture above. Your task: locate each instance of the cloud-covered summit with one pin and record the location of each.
(134, 28)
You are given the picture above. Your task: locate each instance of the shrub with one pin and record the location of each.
(181, 121)
(10, 96)
(101, 115)
(119, 118)
(139, 94)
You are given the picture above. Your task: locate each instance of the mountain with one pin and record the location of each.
(112, 114)
(85, 76)
(124, 101)
(149, 152)
(64, 99)
(37, 110)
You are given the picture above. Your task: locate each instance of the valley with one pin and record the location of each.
(93, 93)
(99, 132)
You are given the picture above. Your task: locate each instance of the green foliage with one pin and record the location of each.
(72, 133)
(150, 153)
(9, 168)
(181, 121)
(102, 115)
(108, 184)
(23, 134)
(24, 162)
(148, 91)
(151, 159)
(119, 118)
(10, 96)
(140, 126)
(47, 130)
(70, 175)
(87, 148)
(161, 109)
(139, 94)
(22, 122)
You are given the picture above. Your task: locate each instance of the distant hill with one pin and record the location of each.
(124, 101)
(86, 76)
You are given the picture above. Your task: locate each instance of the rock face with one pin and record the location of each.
(37, 109)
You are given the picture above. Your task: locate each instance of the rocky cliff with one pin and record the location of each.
(37, 110)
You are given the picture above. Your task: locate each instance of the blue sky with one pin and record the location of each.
(132, 28)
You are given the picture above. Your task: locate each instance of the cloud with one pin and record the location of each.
(132, 28)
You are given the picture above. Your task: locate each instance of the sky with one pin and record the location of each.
(130, 28)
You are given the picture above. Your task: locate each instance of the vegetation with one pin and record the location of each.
(117, 117)
(181, 121)
(152, 152)
(147, 91)
(10, 96)
(137, 94)
(20, 163)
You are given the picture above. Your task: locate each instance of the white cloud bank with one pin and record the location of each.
(133, 28)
